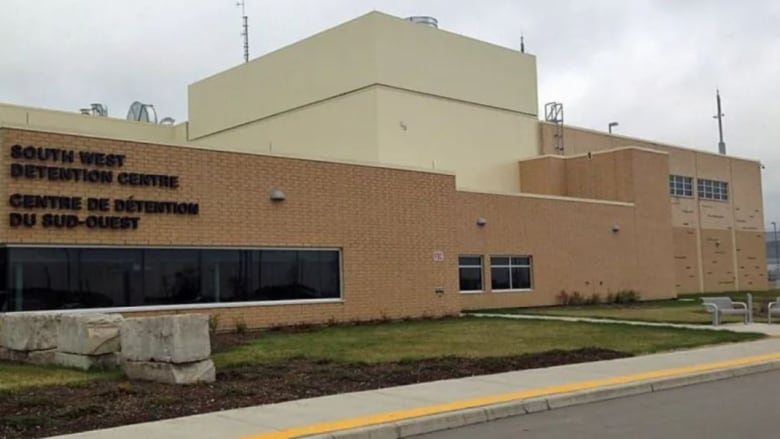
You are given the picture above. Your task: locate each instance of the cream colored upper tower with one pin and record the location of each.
(380, 89)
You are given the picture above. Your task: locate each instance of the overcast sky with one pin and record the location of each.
(651, 65)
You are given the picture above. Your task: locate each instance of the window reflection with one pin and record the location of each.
(171, 277)
(67, 278)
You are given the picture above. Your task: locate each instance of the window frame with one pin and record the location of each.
(190, 306)
(509, 267)
(712, 190)
(481, 267)
(681, 182)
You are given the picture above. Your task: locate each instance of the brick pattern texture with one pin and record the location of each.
(387, 222)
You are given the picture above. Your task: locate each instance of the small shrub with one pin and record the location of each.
(241, 326)
(610, 299)
(594, 299)
(563, 298)
(626, 297)
(577, 299)
(213, 323)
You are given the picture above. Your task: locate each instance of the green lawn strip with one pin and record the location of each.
(467, 337)
(687, 309)
(684, 313)
(13, 376)
(462, 337)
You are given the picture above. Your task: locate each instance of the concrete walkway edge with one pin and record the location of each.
(471, 416)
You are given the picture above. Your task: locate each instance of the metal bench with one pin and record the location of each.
(719, 306)
(774, 308)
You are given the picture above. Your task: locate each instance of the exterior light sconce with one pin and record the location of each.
(481, 222)
(277, 195)
(615, 228)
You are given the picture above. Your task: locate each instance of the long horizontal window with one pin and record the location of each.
(72, 278)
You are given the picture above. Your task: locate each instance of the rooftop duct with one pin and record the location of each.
(425, 20)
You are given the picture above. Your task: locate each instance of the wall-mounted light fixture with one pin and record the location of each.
(481, 222)
(278, 195)
(615, 228)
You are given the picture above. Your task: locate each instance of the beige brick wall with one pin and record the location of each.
(387, 222)
(572, 244)
(729, 223)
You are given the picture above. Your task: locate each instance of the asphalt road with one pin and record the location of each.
(745, 407)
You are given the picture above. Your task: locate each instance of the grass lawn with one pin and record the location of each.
(458, 337)
(467, 337)
(688, 309)
(19, 375)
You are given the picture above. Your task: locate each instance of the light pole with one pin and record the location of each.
(777, 246)
(612, 124)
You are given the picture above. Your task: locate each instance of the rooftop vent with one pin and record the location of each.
(99, 110)
(425, 20)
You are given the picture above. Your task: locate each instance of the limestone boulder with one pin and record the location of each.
(89, 334)
(12, 355)
(29, 332)
(86, 362)
(169, 373)
(41, 358)
(169, 339)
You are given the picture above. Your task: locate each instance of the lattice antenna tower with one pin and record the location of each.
(553, 113)
(244, 28)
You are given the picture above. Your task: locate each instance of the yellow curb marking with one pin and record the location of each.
(382, 418)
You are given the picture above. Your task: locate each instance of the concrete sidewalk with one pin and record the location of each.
(420, 408)
(761, 328)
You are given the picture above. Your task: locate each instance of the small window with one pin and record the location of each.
(510, 273)
(470, 268)
(713, 190)
(680, 186)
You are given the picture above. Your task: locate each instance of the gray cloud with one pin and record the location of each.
(651, 65)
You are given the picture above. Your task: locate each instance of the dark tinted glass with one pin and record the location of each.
(521, 278)
(110, 277)
(296, 275)
(319, 274)
(51, 278)
(43, 278)
(171, 277)
(471, 279)
(470, 260)
(227, 275)
(500, 278)
(498, 260)
(521, 261)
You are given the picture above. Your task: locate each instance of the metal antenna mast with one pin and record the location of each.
(720, 116)
(245, 28)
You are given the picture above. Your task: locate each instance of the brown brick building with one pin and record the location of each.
(354, 191)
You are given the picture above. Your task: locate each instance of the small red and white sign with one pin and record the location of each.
(438, 256)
